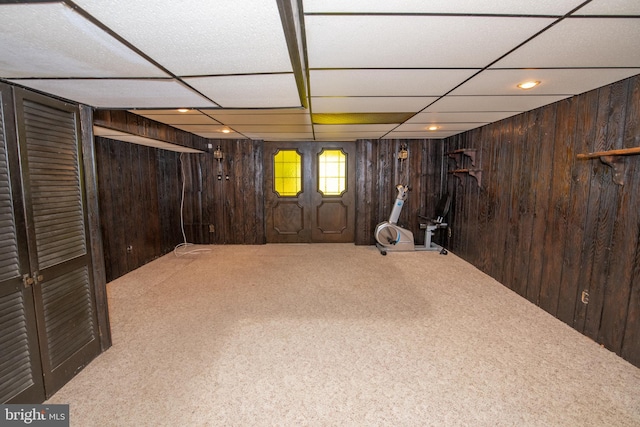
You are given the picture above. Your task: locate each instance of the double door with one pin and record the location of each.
(309, 192)
(48, 324)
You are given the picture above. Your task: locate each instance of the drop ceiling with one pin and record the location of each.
(319, 70)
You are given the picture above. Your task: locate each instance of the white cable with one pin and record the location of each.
(185, 244)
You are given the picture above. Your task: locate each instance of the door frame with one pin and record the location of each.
(304, 210)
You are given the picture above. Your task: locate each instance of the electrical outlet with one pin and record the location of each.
(585, 297)
(212, 228)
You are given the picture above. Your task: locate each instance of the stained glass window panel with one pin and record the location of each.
(332, 176)
(287, 173)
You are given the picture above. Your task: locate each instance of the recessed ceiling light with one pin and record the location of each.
(226, 131)
(433, 127)
(529, 84)
(183, 110)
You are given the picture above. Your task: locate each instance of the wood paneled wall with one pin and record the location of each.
(378, 171)
(224, 201)
(551, 226)
(139, 193)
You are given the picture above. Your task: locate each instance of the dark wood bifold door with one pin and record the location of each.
(20, 366)
(309, 192)
(48, 310)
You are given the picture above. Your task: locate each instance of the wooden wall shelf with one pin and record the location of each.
(614, 159)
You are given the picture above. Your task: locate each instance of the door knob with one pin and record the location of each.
(27, 280)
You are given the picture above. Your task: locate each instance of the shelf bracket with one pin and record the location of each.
(618, 165)
(456, 155)
(476, 173)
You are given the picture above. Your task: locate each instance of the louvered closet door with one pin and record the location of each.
(48, 133)
(20, 371)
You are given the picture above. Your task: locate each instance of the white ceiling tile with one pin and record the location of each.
(220, 135)
(265, 119)
(121, 93)
(193, 128)
(220, 112)
(194, 37)
(581, 42)
(251, 129)
(385, 82)
(179, 118)
(552, 81)
(611, 7)
(141, 140)
(460, 117)
(414, 41)
(250, 91)
(347, 136)
(515, 7)
(299, 136)
(354, 128)
(421, 135)
(492, 103)
(442, 127)
(171, 111)
(370, 104)
(51, 40)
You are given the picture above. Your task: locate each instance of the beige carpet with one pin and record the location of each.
(338, 335)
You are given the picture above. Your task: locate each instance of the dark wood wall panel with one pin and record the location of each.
(513, 239)
(139, 198)
(166, 174)
(550, 226)
(631, 334)
(224, 201)
(627, 219)
(576, 269)
(606, 199)
(366, 169)
(378, 171)
(560, 154)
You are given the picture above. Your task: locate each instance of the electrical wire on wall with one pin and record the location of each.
(184, 245)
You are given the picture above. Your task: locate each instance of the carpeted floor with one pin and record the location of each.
(338, 335)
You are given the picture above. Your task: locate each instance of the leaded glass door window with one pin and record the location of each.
(332, 172)
(287, 173)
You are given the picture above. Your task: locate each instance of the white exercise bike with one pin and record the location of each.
(391, 237)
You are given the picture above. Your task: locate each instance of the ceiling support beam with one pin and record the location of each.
(292, 23)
